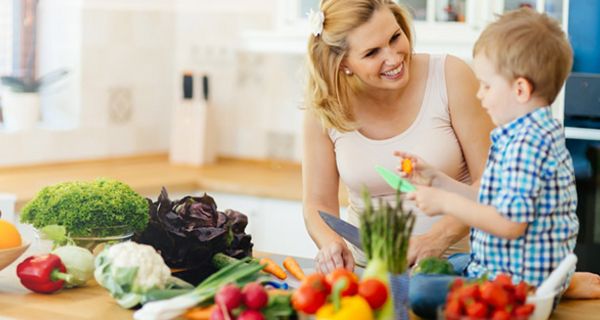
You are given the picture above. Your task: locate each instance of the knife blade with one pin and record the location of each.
(343, 228)
(394, 180)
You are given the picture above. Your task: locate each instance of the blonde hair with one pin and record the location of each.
(327, 91)
(524, 43)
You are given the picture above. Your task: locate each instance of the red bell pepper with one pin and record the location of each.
(43, 274)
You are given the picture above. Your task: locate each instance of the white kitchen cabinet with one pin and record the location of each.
(276, 226)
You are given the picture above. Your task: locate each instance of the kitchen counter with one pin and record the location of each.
(147, 174)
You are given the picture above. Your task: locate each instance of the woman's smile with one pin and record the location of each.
(395, 73)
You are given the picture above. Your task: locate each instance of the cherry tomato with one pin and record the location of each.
(374, 291)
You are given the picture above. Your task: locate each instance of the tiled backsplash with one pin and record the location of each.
(125, 65)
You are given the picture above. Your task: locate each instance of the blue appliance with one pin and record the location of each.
(582, 125)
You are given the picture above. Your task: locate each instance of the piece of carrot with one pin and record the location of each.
(292, 266)
(407, 166)
(199, 313)
(272, 268)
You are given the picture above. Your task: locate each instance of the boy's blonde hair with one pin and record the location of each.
(528, 44)
(327, 90)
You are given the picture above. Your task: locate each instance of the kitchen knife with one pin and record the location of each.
(394, 180)
(343, 228)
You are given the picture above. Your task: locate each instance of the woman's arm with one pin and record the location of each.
(472, 126)
(320, 187)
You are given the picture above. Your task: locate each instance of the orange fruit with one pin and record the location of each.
(9, 235)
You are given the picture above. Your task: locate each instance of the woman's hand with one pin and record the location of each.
(423, 246)
(422, 173)
(333, 256)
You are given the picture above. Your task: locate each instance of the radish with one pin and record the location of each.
(250, 314)
(255, 296)
(229, 297)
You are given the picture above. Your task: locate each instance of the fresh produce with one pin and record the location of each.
(312, 294)
(255, 296)
(43, 274)
(131, 271)
(229, 297)
(11, 238)
(484, 299)
(351, 287)
(88, 208)
(292, 266)
(385, 232)
(250, 314)
(189, 232)
(374, 291)
(351, 307)
(434, 265)
(272, 268)
(407, 166)
(240, 272)
(79, 263)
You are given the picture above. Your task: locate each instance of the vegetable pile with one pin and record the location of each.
(498, 299)
(340, 295)
(87, 208)
(190, 231)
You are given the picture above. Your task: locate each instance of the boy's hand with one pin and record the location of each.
(416, 170)
(429, 200)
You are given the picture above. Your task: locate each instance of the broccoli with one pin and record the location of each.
(88, 208)
(433, 265)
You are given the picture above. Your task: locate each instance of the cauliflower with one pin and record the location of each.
(152, 272)
(130, 271)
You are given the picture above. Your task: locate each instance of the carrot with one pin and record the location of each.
(199, 313)
(291, 265)
(407, 166)
(272, 268)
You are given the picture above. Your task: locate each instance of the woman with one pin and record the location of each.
(369, 94)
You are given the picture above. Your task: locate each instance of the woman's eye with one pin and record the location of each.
(395, 37)
(371, 53)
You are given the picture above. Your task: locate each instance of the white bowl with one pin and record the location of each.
(543, 305)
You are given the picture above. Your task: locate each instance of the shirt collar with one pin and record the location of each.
(507, 131)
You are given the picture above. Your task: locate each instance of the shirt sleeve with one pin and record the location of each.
(527, 164)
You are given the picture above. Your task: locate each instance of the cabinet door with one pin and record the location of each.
(281, 229)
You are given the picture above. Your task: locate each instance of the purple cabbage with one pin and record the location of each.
(188, 232)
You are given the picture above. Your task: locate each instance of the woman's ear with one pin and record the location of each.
(523, 89)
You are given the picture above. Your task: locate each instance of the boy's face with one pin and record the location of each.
(497, 94)
(379, 52)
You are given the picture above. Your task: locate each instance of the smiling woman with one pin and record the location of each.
(368, 95)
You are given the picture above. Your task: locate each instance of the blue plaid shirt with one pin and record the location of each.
(529, 177)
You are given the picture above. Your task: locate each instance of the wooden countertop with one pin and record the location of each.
(147, 174)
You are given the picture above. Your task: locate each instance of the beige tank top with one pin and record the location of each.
(430, 136)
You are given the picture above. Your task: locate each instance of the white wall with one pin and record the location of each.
(125, 60)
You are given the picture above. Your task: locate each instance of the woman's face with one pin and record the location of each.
(379, 52)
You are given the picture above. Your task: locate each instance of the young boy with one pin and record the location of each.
(524, 221)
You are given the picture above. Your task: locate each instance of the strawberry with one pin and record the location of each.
(524, 310)
(521, 292)
(504, 280)
(468, 293)
(500, 315)
(494, 295)
(477, 310)
(453, 310)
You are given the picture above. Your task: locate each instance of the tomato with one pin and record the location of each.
(456, 284)
(308, 299)
(351, 278)
(318, 282)
(468, 293)
(374, 291)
